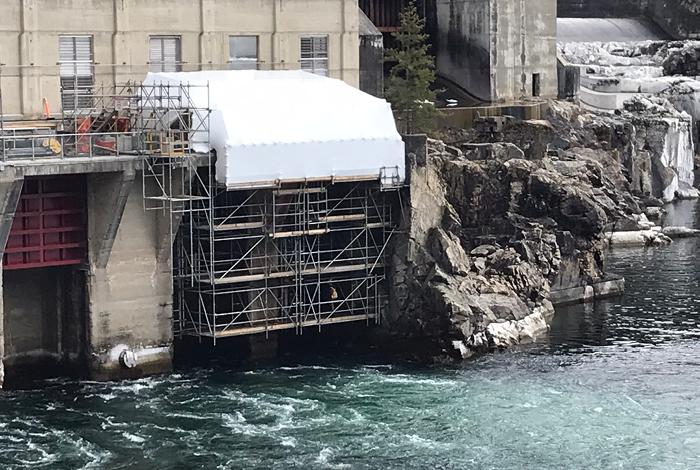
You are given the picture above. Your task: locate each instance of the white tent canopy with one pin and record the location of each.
(269, 126)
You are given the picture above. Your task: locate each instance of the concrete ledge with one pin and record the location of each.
(588, 293)
(610, 288)
(637, 238)
(150, 361)
(573, 295)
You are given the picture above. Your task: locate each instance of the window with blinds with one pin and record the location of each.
(75, 59)
(314, 54)
(165, 54)
(243, 52)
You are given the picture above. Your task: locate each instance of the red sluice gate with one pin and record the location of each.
(49, 227)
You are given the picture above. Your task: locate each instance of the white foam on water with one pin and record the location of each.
(108, 423)
(411, 380)
(43, 458)
(325, 456)
(96, 455)
(134, 387)
(133, 437)
(199, 417)
(309, 368)
(289, 442)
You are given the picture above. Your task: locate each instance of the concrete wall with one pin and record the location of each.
(463, 44)
(130, 282)
(30, 29)
(31, 315)
(43, 321)
(82, 317)
(492, 48)
(372, 65)
(525, 44)
(679, 18)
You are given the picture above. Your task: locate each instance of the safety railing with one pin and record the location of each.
(31, 146)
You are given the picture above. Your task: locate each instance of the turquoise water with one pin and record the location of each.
(616, 386)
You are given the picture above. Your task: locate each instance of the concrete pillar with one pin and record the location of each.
(130, 290)
(121, 57)
(263, 347)
(10, 190)
(277, 39)
(350, 44)
(210, 56)
(111, 191)
(31, 103)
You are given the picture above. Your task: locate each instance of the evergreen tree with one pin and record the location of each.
(408, 87)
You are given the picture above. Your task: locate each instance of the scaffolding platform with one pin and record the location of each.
(290, 257)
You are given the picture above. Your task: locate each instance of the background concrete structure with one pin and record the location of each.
(679, 18)
(485, 50)
(602, 8)
(121, 29)
(371, 58)
(497, 50)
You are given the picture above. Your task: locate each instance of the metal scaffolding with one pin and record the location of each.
(289, 257)
(246, 260)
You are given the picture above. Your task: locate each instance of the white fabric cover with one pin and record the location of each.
(289, 125)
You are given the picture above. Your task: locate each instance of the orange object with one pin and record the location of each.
(83, 141)
(46, 109)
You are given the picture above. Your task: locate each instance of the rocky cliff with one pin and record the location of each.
(496, 231)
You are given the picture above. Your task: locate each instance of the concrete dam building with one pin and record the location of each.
(498, 51)
(104, 175)
(44, 43)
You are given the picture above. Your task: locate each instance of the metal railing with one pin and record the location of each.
(18, 144)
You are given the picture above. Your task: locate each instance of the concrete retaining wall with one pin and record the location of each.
(130, 296)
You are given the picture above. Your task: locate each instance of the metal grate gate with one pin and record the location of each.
(49, 226)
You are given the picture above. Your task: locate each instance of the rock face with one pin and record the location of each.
(649, 138)
(493, 229)
(652, 86)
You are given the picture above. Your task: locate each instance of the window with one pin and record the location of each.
(77, 76)
(314, 54)
(165, 54)
(243, 52)
(535, 84)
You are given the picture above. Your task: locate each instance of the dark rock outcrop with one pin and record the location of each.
(492, 230)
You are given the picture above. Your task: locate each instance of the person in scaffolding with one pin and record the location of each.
(330, 298)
